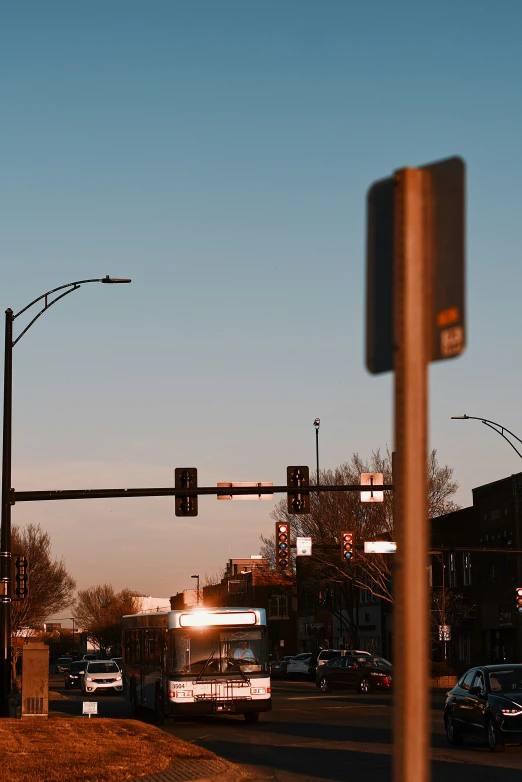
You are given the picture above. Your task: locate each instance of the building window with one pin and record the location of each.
(366, 596)
(466, 568)
(278, 606)
(452, 569)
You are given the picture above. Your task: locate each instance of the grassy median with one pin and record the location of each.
(58, 749)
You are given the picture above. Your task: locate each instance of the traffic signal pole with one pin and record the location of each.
(411, 299)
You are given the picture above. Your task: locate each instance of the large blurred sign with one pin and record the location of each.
(444, 209)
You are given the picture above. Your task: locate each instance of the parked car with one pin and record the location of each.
(90, 656)
(62, 664)
(74, 673)
(101, 675)
(362, 673)
(301, 665)
(486, 703)
(327, 654)
(278, 667)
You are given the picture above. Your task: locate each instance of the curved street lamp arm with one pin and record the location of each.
(498, 428)
(72, 286)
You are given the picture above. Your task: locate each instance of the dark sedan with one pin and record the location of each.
(363, 674)
(74, 674)
(486, 703)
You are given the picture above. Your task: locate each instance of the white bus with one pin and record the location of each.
(197, 661)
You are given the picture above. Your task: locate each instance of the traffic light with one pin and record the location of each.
(186, 478)
(283, 544)
(298, 477)
(519, 600)
(21, 577)
(347, 546)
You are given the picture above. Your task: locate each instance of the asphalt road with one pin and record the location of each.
(313, 737)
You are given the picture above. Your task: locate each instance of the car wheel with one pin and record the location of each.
(324, 684)
(364, 685)
(251, 716)
(492, 737)
(452, 734)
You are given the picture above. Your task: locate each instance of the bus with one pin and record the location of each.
(197, 661)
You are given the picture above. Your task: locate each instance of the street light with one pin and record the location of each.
(498, 428)
(197, 592)
(317, 424)
(5, 534)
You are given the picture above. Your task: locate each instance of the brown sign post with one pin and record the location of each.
(415, 313)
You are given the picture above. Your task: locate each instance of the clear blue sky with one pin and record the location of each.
(219, 153)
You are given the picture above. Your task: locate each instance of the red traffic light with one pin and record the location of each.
(282, 545)
(347, 547)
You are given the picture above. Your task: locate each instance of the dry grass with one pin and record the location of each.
(86, 750)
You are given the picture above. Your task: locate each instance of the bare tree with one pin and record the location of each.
(99, 611)
(50, 584)
(333, 513)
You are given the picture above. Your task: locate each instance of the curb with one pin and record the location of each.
(196, 770)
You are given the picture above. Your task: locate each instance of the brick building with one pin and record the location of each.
(485, 581)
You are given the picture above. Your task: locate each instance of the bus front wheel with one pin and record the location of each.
(251, 716)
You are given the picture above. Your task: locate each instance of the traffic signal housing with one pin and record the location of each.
(186, 478)
(21, 577)
(347, 547)
(298, 477)
(283, 545)
(519, 600)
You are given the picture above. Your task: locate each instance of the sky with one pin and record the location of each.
(219, 153)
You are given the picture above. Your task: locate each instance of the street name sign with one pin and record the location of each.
(380, 547)
(243, 484)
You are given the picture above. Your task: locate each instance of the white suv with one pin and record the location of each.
(102, 675)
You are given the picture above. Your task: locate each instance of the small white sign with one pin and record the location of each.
(90, 707)
(372, 479)
(303, 547)
(444, 633)
(238, 484)
(380, 547)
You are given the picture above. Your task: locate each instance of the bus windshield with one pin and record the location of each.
(210, 651)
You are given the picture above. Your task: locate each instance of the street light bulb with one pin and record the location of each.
(460, 417)
(112, 280)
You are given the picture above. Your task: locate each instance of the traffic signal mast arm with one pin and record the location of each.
(171, 491)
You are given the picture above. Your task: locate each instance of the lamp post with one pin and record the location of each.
(5, 533)
(317, 424)
(197, 589)
(498, 428)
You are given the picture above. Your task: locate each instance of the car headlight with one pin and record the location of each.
(118, 677)
(511, 712)
(89, 678)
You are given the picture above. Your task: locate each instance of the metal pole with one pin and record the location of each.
(411, 727)
(5, 536)
(317, 451)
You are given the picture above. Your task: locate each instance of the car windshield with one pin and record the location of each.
(64, 660)
(329, 655)
(76, 667)
(507, 680)
(108, 667)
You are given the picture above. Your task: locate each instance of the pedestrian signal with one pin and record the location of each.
(283, 545)
(298, 477)
(186, 478)
(21, 577)
(347, 546)
(519, 600)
